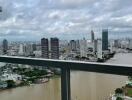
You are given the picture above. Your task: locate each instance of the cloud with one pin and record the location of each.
(61, 17)
(75, 3)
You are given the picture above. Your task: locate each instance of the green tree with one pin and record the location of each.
(119, 91)
(119, 98)
(10, 83)
(130, 78)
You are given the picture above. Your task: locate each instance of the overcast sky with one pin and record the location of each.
(33, 19)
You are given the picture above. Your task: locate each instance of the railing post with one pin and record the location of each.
(65, 84)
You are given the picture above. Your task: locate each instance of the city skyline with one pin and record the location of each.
(64, 18)
(65, 49)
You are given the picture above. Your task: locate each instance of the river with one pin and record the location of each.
(84, 85)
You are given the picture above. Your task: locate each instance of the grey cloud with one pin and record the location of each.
(58, 17)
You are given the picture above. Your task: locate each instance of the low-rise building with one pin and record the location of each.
(3, 84)
(14, 77)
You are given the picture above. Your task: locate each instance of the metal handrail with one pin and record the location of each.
(66, 66)
(118, 69)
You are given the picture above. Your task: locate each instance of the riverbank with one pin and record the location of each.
(125, 92)
(39, 81)
(13, 76)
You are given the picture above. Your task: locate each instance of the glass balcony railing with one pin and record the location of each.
(78, 81)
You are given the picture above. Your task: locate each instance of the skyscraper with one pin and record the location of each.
(45, 48)
(28, 49)
(116, 43)
(99, 49)
(83, 48)
(95, 46)
(72, 45)
(130, 44)
(77, 45)
(92, 36)
(54, 44)
(5, 46)
(34, 47)
(21, 49)
(105, 39)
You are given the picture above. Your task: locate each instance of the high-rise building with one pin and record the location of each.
(130, 44)
(77, 45)
(28, 49)
(83, 48)
(72, 45)
(54, 47)
(5, 46)
(105, 39)
(25, 49)
(95, 46)
(21, 49)
(45, 48)
(38, 47)
(99, 49)
(92, 36)
(34, 47)
(116, 43)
